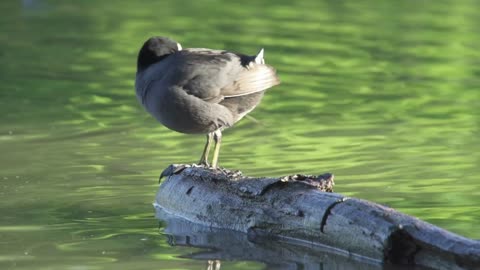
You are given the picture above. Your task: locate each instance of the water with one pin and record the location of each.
(384, 95)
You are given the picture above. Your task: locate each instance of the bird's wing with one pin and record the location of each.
(256, 78)
(215, 75)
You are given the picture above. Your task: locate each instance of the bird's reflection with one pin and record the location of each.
(213, 265)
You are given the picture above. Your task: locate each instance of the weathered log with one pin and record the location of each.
(297, 208)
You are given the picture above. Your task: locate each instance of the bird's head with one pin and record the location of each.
(154, 50)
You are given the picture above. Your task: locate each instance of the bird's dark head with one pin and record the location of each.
(154, 50)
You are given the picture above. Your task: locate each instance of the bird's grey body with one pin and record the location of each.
(201, 90)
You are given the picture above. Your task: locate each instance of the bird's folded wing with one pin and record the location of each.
(254, 78)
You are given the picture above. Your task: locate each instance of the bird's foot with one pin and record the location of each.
(202, 163)
(178, 168)
(206, 166)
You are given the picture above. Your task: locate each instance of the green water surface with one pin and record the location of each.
(384, 94)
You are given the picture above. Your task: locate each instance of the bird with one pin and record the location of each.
(198, 90)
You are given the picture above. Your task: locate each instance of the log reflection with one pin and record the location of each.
(223, 245)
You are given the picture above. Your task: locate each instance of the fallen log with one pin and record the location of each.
(303, 210)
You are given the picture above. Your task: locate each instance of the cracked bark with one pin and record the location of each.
(328, 211)
(302, 209)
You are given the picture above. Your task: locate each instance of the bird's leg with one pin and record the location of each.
(206, 150)
(217, 136)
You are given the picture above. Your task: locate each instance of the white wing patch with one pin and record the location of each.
(259, 58)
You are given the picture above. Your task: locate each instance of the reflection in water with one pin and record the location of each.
(224, 245)
(214, 264)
